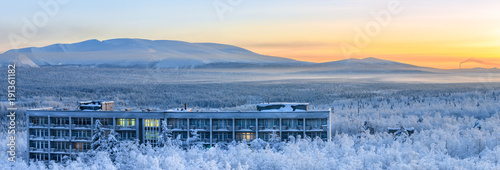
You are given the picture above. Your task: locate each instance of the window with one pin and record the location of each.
(245, 123)
(39, 144)
(39, 156)
(292, 123)
(81, 134)
(152, 122)
(125, 122)
(81, 121)
(268, 135)
(151, 131)
(60, 145)
(127, 135)
(39, 132)
(287, 135)
(203, 135)
(222, 136)
(39, 120)
(59, 133)
(269, 123)
(247, 136)
(106, 122)
(183, 135)
(222, 122)
(60, 121)
(199, 123)
(177, 123)
(58, 157)
(314, 123)
(152, 135)
(81, 146)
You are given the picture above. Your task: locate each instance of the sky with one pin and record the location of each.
(430, 33)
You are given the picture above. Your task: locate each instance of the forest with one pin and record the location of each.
(457, 125)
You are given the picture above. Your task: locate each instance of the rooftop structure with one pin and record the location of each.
(97, 105)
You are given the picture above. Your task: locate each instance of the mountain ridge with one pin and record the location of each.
(134, 52)
(125, 52)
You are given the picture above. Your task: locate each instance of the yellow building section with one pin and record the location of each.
(125, 122)
(151, 122)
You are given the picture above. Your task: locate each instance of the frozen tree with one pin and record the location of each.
(112, 144)
(194, 139)
(258, 144)
(274, 137)
(99, 137)
(275, 140)
(165, 137)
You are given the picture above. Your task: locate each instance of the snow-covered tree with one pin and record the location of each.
(165, 137)
(258, 144)
(194, 139)
(111, 144)
(274, 137)
(99, 139)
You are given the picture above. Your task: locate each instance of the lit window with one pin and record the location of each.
(151, 122)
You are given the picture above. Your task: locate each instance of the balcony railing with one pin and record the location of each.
(207, 128)
(60, 138)
(126, 127)
(128, 139)
(59, 125)
(77, 126)
(77, 151)
(107, 126)
(81, 138)
(33, 137)
(183, 127)
(33, 149)
(33, 125)
(222, 128)
(247, 128)
(57, 150)
(269, 128)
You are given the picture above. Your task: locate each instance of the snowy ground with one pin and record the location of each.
(442, 113)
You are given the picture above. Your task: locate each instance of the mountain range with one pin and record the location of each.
(126, 52)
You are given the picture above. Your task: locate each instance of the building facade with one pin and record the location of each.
(55, 134)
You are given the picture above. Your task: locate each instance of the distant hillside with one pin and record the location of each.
(367, 65)
(136, 53)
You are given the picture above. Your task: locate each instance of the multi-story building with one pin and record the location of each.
(54, 134)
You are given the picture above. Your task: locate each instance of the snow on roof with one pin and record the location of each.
(96, 101)
(282, 107)
(180, 110)
(43, 108)
(281, 103)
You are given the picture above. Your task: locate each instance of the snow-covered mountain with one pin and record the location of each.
(126, 52)
(137, 52)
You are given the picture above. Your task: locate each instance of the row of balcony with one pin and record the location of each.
(76, 126)
(54, 150)
(250, 128)
(55, 138)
